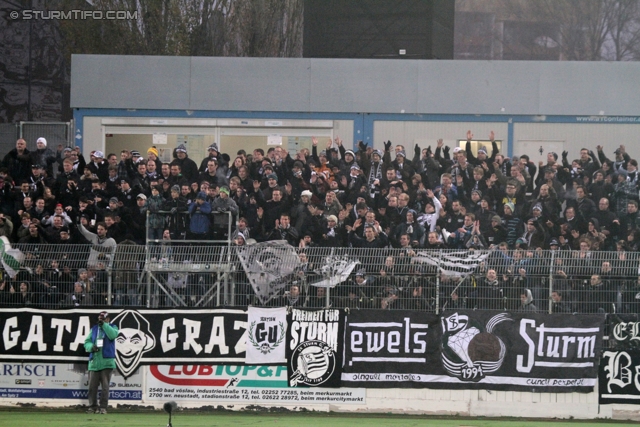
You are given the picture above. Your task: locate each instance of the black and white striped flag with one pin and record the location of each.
(452, 263)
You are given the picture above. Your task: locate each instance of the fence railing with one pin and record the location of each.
(181, 274)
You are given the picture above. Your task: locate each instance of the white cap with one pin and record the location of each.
(41, 139)
(306, 193)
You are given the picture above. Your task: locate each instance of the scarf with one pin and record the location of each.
(375, 173)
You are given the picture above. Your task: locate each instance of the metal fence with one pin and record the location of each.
(182, 274)
(9, 133)
(56, 133)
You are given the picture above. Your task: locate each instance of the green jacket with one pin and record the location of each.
(97, 361)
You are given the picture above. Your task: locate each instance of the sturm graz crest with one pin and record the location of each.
(266, 338)
(312, 363)
(471, 350)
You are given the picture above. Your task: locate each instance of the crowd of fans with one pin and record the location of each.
(331, 196)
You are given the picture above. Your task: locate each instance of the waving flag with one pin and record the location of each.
(452, 263)
(11, 258)
(269, 266)
(335, 270)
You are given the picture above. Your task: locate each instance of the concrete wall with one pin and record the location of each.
(465, 403)
(354, 85)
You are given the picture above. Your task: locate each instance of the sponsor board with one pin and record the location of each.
(237, 383)
(61, 381)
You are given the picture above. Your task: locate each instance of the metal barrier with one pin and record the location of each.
(178, 270)
(203, 274)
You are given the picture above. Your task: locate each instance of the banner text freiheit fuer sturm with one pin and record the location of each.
(382, 349)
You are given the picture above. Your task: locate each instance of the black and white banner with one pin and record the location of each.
(314, 347)
(476, 350)
(521, 351)
(458, 350)
(619, 373)
(145, 336)
(452, 263)
(266, 336)
(335, 270)
(269, 266)
(390, 348)
(619, 377)
(624, 331)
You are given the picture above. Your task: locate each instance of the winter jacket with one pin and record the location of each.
(224, 205)
(104, 358)
(154, 203)
(176, 221)
(527, 305)
(200, 221)
(19, 165)
(102, 249)
(45, 158)
(188, 168)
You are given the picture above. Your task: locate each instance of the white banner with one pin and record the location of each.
(61, 381)
(207, 384)
(266, 336)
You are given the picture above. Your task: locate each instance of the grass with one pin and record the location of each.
(42, 417)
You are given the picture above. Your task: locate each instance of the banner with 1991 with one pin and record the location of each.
(473, 350)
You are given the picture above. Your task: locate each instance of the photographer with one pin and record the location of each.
(101, 344)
